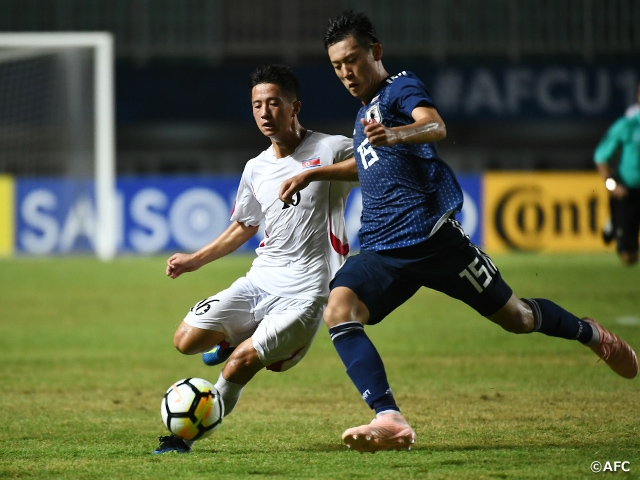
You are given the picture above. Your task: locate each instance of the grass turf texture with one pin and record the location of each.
(86, 354)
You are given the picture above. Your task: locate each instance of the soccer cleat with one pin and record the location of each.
(608, 234)
(614, 351)
(386, 432)
(171, 443)
(218, 354)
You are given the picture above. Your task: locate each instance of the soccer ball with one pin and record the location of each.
(192, 408)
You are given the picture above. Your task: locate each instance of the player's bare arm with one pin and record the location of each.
(344, 171)
(228, 241)
(427, 128)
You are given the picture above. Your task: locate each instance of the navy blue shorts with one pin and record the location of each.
(447, 262)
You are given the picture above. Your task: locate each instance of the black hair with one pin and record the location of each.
(350, 23)
(279, 75)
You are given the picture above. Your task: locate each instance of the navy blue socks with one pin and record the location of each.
(364, 365)
(555, 321)
(366, 370)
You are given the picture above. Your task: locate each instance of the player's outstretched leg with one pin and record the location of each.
(218, 354)
(614, 351)
(389, 431)
(172, 443)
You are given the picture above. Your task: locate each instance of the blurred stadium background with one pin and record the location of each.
(523, 85)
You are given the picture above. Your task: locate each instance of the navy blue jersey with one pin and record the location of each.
(407, 190)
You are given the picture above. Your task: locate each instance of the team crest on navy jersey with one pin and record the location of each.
(373, 114)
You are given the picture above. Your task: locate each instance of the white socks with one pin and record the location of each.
(596, 336)
(230, 393)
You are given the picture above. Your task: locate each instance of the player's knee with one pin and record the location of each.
(186, 343)
(344, 306)
(335, 314)
(183, 345)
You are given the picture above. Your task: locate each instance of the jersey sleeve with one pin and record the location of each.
(409, 93)
(610, 142)
(247, 210)
(343, 148)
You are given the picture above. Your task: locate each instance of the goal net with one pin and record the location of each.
(57, 122)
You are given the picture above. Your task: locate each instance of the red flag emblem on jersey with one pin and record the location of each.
(314, 162)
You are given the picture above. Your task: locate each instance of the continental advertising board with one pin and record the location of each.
(549, 212)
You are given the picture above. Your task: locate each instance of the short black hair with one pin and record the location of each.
(280, 75)
(350, 23)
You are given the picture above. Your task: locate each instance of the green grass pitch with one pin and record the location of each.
(86, 354)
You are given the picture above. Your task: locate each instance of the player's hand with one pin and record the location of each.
(619, 192)
(378, 134)
(180, 263)
(291, 186)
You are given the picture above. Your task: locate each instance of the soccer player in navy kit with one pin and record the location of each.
(409, 236)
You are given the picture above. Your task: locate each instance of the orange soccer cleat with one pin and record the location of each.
(387, 432)
(614, 351)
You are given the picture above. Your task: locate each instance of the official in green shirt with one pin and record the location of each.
(623, 181)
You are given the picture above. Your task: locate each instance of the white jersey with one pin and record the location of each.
(305, 243)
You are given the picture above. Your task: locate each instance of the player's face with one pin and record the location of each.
(357, 67)
(272, 110)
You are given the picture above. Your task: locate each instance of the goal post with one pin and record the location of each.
(17, 46)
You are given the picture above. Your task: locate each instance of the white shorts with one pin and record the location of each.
(282, 329)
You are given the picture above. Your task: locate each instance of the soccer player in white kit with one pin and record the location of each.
(269, 317)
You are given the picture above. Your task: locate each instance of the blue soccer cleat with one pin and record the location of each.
(218, 354)
(171, 443)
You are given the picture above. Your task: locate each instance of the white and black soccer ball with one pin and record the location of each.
(192, 408)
